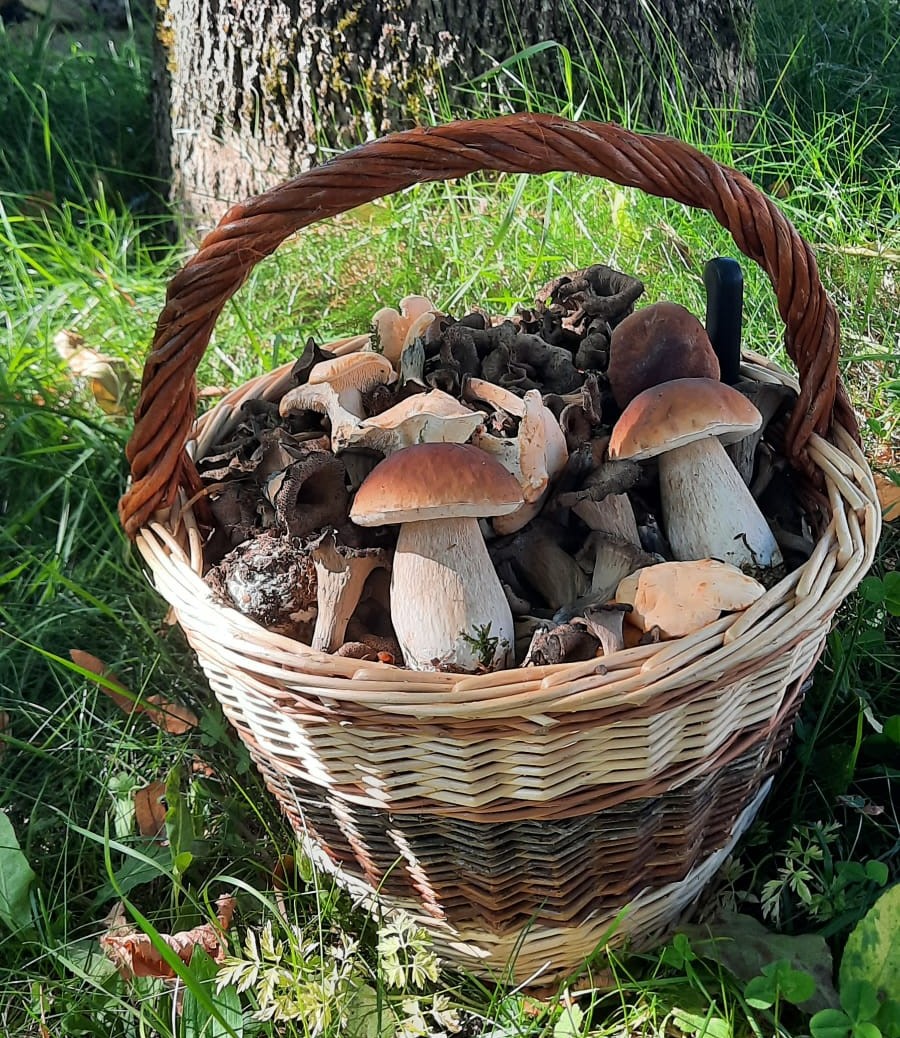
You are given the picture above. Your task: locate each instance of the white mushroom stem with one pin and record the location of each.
(708, 510)
(468, 623)
(340, 579)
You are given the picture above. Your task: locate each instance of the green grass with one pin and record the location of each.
(84, 256)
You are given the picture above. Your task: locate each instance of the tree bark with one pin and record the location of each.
(249, 92)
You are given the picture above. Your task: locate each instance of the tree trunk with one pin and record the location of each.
(249, 93)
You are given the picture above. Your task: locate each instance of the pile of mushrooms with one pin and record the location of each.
(480, 493)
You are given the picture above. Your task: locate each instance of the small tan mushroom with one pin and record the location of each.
(390, 328)
(681, 597)
(341, 574)
(323, 399)
(433, 417)
(353, 375)
(536, 456)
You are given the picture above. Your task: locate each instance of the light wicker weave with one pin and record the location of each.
(518, 814)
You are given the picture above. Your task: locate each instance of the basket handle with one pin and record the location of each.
(524, 143)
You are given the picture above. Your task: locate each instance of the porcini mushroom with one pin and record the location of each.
(352, 375)
(708, 511)
(447, 604)
(681, 597)
(655, 344)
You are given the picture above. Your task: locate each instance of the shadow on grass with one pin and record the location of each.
(77, 115)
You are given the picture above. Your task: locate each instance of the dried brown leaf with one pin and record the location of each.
(107, 377)
(135, 956)
(889, 497)
(149, 810)
(4, 727)
(171, 717)
(212, 392)
(122, 699)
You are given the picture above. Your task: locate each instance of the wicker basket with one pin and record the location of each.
(529, 813)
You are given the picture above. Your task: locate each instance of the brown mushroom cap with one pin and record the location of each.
(432, 481)
(654, 345)
(679, 412)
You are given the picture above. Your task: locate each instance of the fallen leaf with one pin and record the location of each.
(107, 377)
(888, 496)
(16, 877)
(149, 810)
(122, 698)
(171, 717)
(135, 956)
(872, 952)
(744, 946)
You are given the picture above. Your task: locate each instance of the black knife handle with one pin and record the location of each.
(724, 283)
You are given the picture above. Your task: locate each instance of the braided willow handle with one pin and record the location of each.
(522, 143)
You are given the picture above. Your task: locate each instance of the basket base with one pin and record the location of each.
(540, 954)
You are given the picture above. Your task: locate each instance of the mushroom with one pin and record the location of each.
(350, 376)
(559, 643)
(341, 573)
(412, 364)
(390, 328)
(432, 417)
(655, 344)
(309, 494)
(412, 307)
(269, 578)
(312, 355)
(611, 515)
(536, 456)
(324, 399)
(388, 332)
(537, 558)
(609, 559)
(768, 398)
(708, 511)
(681, 597)
(447, 604)
(606, 624)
